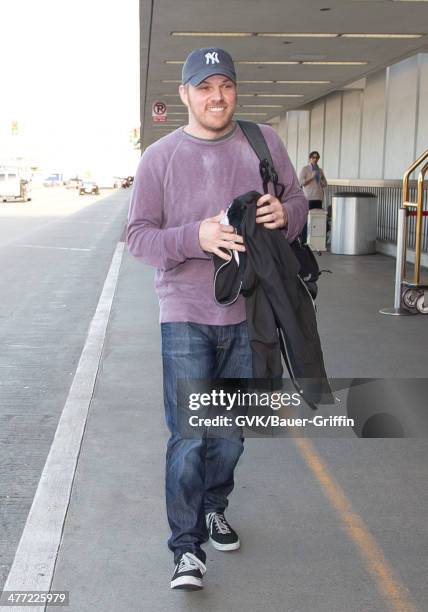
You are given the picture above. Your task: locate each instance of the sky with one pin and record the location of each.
(70, 78)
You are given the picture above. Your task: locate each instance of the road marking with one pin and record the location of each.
(42, 246)
(388, 584)
(35, 558)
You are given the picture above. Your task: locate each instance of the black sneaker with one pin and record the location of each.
(222, 536)
(188, 573)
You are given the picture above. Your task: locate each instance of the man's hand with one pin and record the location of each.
(213, 235)
(271, 212)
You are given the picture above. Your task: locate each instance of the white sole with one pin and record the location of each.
(225, 547)
(187, 582)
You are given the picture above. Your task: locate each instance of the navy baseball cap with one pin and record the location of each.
(203, 63)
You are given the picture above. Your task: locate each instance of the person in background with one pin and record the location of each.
(313, 181)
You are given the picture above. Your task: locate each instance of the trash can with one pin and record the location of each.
(353, 223)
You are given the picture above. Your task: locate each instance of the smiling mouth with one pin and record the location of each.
(217, 109)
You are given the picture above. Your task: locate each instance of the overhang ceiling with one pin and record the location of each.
(160, 18)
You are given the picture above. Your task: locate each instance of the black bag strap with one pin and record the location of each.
(309, 269)
(255, 137)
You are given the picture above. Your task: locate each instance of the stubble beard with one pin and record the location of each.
(213, 126)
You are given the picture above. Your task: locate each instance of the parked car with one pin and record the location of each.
(123, 181)
(13, 186)
(87, 186)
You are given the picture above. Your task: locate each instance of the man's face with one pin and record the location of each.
(211, 105)
(314, 159)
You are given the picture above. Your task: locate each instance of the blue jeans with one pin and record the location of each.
(199, 472)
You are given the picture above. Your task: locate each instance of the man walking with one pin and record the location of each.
(183, 184)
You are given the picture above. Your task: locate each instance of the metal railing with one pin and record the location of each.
(389, 201)
(418, 205)
(409, 296)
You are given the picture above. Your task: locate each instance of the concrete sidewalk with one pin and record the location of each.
(296, 552)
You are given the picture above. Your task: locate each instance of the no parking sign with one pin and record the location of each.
(159, 113)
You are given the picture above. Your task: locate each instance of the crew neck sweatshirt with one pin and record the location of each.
(180, 181)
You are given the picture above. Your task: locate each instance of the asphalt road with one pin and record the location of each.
(54, 255)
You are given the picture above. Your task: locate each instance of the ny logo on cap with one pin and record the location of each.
(212, 57)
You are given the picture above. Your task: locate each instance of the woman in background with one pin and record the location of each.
(313, 181)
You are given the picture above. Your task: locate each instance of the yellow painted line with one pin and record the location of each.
(388, 584)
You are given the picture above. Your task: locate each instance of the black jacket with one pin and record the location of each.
(278, 304)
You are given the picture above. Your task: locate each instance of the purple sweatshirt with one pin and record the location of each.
(180, 181)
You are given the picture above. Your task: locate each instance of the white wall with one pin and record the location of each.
(332, 135)
(351, 134)
(401, 117)
(371, 134)
(282, 128)
(292, 134)
(422, 125)
(317, 128)
(373, 127)
(303, 142)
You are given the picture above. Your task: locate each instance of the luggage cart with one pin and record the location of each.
(411, 296)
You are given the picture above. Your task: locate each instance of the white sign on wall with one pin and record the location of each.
(159, 112)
